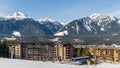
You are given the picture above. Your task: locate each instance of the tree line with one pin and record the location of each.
(4, 48)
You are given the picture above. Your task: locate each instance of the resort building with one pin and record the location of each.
(63, 51)
(15, 51)
(37, 51)
(105, 52)
(42, 51)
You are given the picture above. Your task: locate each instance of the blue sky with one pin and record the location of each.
(60, 10)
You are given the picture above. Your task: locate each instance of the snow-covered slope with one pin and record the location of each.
(50, 26)
(46, 20)
(26, 26)
(17, 16)
(19, 24)
(63, 33)
(93, 24)
(96, 16)
(17, 34)
(14, 63)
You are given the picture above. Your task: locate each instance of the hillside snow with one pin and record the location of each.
(14, 63)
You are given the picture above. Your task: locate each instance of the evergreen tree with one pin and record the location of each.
(4, 49)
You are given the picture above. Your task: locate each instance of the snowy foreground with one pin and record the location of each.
(9, 63)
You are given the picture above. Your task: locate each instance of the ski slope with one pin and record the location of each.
(14, 63)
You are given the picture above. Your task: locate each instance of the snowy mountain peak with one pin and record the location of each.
(100, 16)
(46, 20)
(17, 16)
(94, 16)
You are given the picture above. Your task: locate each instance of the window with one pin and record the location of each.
(30, 51)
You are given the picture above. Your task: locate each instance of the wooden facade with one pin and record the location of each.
(37, 51)
(43, 51)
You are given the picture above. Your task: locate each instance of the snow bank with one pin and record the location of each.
(14, 63)
(7, 38)
(16, 33)
(61, 33)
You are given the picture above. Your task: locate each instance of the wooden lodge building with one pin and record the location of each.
(42, 51)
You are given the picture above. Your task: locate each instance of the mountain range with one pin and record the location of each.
(18, 24)
(95, 24)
